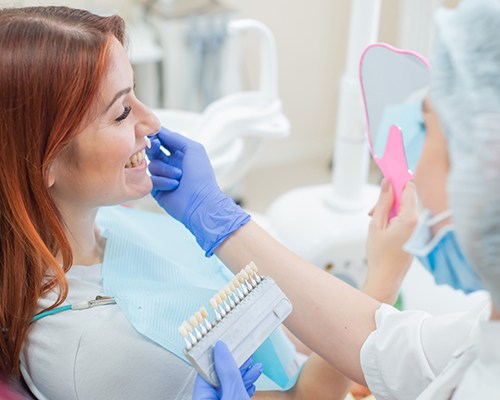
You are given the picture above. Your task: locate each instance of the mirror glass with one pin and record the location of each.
(394, 84)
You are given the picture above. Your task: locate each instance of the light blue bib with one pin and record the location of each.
(159, 276)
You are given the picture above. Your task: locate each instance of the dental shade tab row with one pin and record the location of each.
(246, 311)
(222, 303)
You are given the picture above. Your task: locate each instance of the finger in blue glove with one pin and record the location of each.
(197, 202)
(251, 375)
(235, 383)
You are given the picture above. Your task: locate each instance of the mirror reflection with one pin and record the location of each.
(394, 85)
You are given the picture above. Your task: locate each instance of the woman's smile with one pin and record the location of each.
(137, 160)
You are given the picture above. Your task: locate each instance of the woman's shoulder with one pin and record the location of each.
(97, 353)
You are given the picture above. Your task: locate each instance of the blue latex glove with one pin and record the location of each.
(197, 202)
(236, 384)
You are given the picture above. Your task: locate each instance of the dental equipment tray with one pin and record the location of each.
(247, 312)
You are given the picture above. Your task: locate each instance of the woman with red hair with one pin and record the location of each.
(72, 139)
(66, 100)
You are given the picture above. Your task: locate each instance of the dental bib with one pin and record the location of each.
(157, 274)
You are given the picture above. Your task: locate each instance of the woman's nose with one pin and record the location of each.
(149, 123)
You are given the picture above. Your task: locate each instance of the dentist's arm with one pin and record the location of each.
(329, 316)
(318, 380)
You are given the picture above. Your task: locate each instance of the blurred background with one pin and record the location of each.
(184, 61)
(271, 88)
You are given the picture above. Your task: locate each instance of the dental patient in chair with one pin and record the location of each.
(73, 148)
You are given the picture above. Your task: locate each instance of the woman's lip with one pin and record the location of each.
(138, 151)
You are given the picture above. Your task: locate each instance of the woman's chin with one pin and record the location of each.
(139, 187)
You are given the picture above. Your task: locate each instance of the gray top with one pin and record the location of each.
(97, 354)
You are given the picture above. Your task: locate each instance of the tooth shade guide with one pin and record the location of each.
(218, 300)
(199, 320)
(213, 304)
(184, 334)
(242, 283)
(219, 303)
(189, 329)
(236, 281)
(237, 285)
(248, 275)
(251, 272)
(243, 329)
(198, 317)
(232, 288)
(229, 292)
(194, 324)
(182, 330)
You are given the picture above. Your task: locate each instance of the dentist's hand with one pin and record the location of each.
(387, 261)
(197, 202)
(235, 384)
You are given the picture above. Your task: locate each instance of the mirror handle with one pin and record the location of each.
(394, 166)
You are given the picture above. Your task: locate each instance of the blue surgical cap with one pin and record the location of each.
(465, 90)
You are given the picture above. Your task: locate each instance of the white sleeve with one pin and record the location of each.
(408, 349)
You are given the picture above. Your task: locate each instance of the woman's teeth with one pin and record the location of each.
(136, 159)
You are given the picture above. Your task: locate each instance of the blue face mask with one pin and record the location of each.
(441, 254)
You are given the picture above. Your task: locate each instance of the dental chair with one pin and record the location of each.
(14, 389)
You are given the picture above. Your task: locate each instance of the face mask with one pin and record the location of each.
(441, 253)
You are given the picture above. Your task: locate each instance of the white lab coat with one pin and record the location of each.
(414, 355)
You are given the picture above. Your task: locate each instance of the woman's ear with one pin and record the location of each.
(51, 179)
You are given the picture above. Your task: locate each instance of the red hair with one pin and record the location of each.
(52, 61)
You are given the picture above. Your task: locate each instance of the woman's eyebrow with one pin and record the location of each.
(118, 95)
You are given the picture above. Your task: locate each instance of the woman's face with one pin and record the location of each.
(431, 173)
(105, 163)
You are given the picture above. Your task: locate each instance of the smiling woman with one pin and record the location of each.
(53, 62)
(66, 91)
(72, 140)
(120, 123)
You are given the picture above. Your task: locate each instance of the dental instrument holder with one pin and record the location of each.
(388, 77)
(243, 329)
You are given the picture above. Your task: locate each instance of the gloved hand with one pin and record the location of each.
(197, 202)
(236, 384)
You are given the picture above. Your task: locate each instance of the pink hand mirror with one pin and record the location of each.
(394, 84)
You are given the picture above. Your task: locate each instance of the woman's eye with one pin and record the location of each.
(125, 114)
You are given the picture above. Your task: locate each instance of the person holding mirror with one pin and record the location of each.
(394, 84)
(400, 355)
(434, 241)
